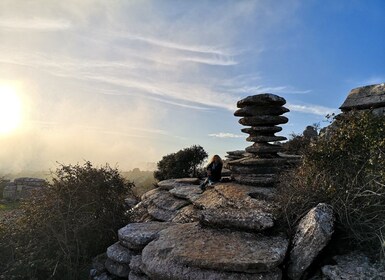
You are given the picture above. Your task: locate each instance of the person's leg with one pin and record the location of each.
(203, 185)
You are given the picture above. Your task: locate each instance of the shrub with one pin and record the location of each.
(61, 228)
(345, 168)
(184, 163)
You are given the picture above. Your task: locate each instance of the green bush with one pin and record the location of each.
(184, 163)
(345, 168)
(62, 227)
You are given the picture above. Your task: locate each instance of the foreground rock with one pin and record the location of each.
(313, 233)
(353, 266)
(188, 251)
(237, 206)
(172, 183)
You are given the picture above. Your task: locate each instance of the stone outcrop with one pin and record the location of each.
(22, 188)
(367, 97)
(313, 233)
(262, 113)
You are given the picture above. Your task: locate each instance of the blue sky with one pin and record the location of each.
(126, 82)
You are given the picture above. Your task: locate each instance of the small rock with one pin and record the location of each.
(120, 254)
(137, 235)
(118, 269)
(313, 233)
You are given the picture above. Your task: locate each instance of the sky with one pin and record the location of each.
(127, 82)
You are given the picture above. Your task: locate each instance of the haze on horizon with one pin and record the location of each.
(126, 82)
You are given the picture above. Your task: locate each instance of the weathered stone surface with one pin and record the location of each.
(265, 180)
(189, 192)
(263, 148)
(136, 263)
(313, 233)
(263, 120)
(250, 111)
(188, 214)
(137, 276)
(162, 205)
(172, 183)
(181, 250)
(252, 161)
(118, 253)
(264, 138)
(256, 130)
(118, 269)
(353, 266)
(372, 96)
(231, 205)
(310, 132)
(261, 99)
(249, 169)
(137, 235)
(98, 262)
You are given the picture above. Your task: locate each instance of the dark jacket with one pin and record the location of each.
(216, 171)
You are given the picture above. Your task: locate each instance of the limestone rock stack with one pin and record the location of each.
(262, 114)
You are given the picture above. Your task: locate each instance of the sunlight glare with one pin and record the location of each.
(10, 109)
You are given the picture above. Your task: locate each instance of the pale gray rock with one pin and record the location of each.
(188, 251)
(236, 206)
(188, 192)
(119, 253)
(261, 99)
(372, 96)
(263, 120)
(172, 183)
(353, 266)
(137, 235)
(118, 269)
(313, 233)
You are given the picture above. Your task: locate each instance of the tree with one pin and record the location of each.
(62, 227)
(183, 163)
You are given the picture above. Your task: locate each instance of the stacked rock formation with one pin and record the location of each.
(262, 113)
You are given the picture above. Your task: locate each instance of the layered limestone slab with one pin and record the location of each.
(188, 251)
(137, 235)
(265, 138)
(264, 148)
(261, 99)
(263, 120)
(172, 183)
(250, 111)
(367, 97)
(162, 205)
(256, 130)
(189, 192)
(235, 206)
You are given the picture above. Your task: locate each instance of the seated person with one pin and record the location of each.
(214, 172)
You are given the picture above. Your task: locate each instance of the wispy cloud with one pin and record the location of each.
(38, 24)
(226, 135)
(311, 109)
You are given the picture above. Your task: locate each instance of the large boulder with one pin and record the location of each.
(313, 233)
(189, 251)
(367, 97)
(353, 266)
(137, 235)
(237, 206)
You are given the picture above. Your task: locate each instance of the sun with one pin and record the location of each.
(10, 109)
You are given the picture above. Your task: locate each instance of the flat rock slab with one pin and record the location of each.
(313, 233)
(137, 235)
(264, 139)
(188, 214)
(189, 192)
(261, 99)
(263, 120)
(172, 183)
(162, 205)
(372, 96)
(263, 148)
(251, 161)
(119, 253)
(185, 249)
(263, 180)
(237, 206)
(250, 111)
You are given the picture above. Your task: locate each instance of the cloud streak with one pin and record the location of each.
(35, 24)
(226, 135)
